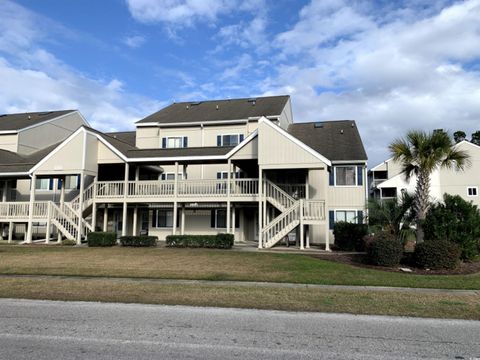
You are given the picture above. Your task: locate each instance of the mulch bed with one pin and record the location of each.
(360, 261)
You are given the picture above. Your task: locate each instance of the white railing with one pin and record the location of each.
(153, 188)
(242, 187)
(63, 221)
(20, 210)
(276, 193)
(313, 209)
(297, 191)
(88, 195)
(110, 189)
(276, 228)
(202, 188)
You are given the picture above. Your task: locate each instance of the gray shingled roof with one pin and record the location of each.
(120, 145)
(13, 162)
(13, 122)
(336, 140)
(216, 110)
(177, 152)
(128, 137)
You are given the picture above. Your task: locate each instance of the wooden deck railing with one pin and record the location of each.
(20, 210)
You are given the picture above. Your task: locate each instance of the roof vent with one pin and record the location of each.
(341, 131)
(253, 101)
(216, 107)
(29, 117)
(318, 125)
(353, 124)
(187, 107)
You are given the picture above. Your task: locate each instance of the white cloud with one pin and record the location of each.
(33, 79)
(134, 41)
(390, 73)
(178, 12)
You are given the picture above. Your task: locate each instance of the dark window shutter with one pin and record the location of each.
(50, 185)
(241, 137)
(185, 141)
(78, 182)
(359, 175)
(59, 184)
(212, 218)
(163, 176)
(164, 143)
(178, 217)
(360, 217)
(331, 179)
(237, 221)
(219, 140)
(219, 175)
(331, 219)
(154, 218)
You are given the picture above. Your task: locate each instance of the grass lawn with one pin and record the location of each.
(206, 264)
(298, 299)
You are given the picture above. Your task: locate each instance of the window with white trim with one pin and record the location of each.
(72, 182)
(171, 176)
(345, 175)
(224, 175)
(43, 184)
(346, 215)
(220, 219)
(162, 218)
(174, 142)
(472, 191)
(229, 139)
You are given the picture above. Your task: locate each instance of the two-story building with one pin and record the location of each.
(240, 166)
(388, 182)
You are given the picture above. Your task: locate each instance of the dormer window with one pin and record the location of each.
(229, 140)
(174, 142)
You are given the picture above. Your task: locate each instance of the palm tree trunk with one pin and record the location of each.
(422, 202)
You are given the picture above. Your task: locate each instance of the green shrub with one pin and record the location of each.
(349, 236)
(68, 242)
(139, 241)
(437, 254)
(219, 241)
(455, 220)
(101, 238)
(384, 250)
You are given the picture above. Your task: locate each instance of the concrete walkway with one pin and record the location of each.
(247, 284)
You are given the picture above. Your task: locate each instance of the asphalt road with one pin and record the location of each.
(79, 330)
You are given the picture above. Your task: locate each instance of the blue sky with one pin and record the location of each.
(392, 66)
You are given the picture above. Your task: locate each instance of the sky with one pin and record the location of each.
(392, 66)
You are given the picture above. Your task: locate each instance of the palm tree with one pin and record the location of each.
(421, 153)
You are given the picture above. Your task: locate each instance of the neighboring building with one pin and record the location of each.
(239, 166)
(387, 182)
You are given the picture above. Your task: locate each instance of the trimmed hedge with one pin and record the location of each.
(219, 241)
(139, 241)
(100, 238)
(349, 236)
(437, 254)
(384, 250)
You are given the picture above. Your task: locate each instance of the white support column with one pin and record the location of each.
(307, 237)
(135, 220)
(229, 178)
(260, 200)
(10, 232)
(80, 208)
(94, 215)
(49, 223)
(325, 192)
(302, 230)
(233, 219)
(105, 218)
(62, 203)
(264, 215)
(182, 221)
(175, 204)
(327, 236)
(33, 182)
(125, 208)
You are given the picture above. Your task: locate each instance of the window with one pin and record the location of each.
(472, 191)
(346, 215)
(224, 175)
(44, 184)
(229, 140)
(219, 219)
(72, 182)
(162, 219)
(171, 176)
(345, 176)
(173, 142)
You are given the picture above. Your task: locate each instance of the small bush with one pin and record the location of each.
(219, 241)
(102, 239)
(138, 241)
(349, 236)
(68, 242)
(384, 250)
(437, 254)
